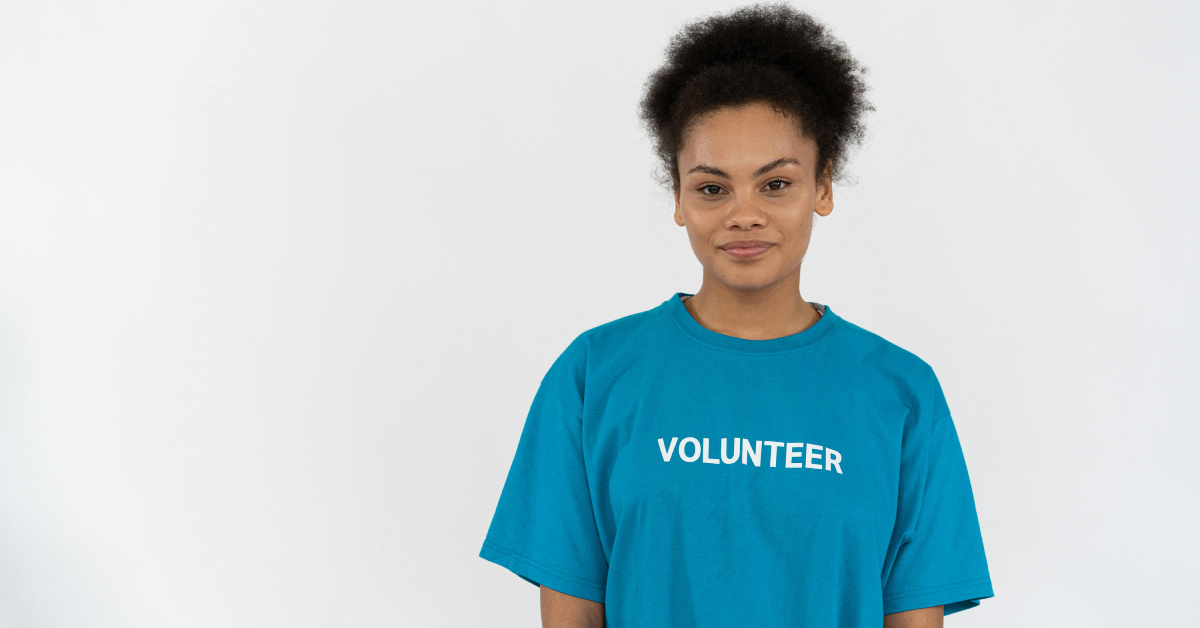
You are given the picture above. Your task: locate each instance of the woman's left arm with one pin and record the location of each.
(916, 618)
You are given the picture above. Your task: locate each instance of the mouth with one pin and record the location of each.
(747, 251)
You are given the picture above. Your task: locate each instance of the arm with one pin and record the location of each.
(560, 610)
(917, 618)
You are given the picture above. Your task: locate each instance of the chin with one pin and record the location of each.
(746, 282)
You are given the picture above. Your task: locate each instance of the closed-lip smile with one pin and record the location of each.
(746, 244)
(746, 249)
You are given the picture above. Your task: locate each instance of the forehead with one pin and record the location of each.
(749, 136)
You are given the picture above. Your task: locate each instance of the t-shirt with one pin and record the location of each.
(685, 477)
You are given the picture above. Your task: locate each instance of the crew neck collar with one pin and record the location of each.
(708, 337)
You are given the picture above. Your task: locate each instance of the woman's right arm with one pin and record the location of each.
(560, 610)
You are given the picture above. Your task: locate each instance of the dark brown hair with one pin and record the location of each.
(769, 53)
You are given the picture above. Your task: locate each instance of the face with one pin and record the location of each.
(746, 173)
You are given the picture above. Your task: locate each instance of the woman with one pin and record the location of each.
(741, 456)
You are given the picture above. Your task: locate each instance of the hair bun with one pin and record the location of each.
(769, 53)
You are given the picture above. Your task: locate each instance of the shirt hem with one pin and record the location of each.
(539, 574)
(953, 597)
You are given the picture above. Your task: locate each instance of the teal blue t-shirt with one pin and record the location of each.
(684, 477)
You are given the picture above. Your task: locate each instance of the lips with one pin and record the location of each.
(745, 249)
(746, 244)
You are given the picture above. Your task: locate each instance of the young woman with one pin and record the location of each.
(741, 456)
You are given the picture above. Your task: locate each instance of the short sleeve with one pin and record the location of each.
(544, 528)
(937, 555)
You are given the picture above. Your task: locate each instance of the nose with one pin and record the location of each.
(744, 213)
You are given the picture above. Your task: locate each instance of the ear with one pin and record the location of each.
(825, 190)
(678, 213)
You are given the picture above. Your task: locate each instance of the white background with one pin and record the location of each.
(278, 282)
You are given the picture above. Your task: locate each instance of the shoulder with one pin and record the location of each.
(874, 359)
(611, 337)
(624, 331)
(871, 348)
(596, 349)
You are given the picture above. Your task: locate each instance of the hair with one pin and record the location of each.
(762, 53)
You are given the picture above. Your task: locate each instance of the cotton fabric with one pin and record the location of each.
(685, 477)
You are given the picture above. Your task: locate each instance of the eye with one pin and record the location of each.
(769, 183)
(703, 192)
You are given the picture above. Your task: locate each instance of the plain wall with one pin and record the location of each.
(278, 282)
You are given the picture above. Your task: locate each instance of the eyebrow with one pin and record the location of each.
(761, 171)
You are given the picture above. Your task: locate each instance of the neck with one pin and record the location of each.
(762, 314)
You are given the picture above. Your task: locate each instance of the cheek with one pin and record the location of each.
(798, 214)
(796, 227)
(700, 224)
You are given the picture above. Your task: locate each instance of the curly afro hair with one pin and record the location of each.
(768, 53)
